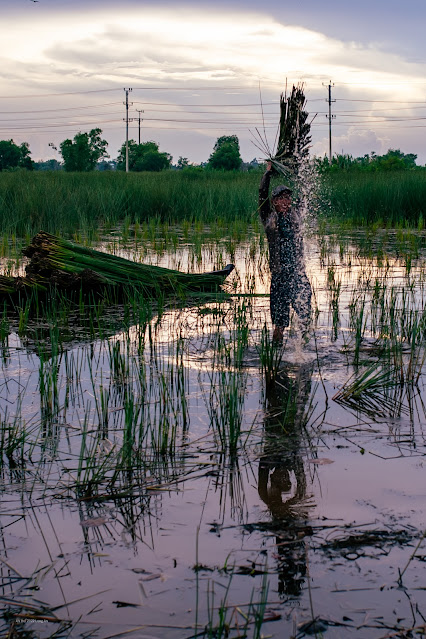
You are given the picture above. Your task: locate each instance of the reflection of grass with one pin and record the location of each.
(226, 617)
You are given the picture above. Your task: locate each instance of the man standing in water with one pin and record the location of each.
(289, 282)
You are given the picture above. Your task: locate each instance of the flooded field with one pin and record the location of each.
(168, 473)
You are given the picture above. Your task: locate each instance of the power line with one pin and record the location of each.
(251, 104)
(388, 101)
(176, 106)
(98, 121)
(91, 106)
(343, 114)
(50, 95)
(62, 124)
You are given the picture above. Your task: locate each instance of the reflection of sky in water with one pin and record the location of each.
(306, 479)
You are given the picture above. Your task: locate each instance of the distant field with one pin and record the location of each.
(64, 203)
(390, 199)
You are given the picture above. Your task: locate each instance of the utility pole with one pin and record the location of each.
(330, 118)
(140, 111)
(127, 91)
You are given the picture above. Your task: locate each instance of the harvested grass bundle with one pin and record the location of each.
(16, 285)
(293, 137)
(60, 261)
(6, 284)
(294, 132)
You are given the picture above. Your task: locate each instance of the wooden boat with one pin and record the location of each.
(69, 267)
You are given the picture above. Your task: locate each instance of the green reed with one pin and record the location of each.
(68, 202)
(334, 286)
(225, 618)
(270, 355)
(227, 382)
(386, 198)
(13, 442)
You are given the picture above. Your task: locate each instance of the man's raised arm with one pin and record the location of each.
(264, 202)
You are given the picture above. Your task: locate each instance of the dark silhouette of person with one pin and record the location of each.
(282, 484)
(289, 282)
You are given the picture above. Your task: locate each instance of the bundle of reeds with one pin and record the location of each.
(6, 284)
(293, 136)
(52, 257)
(294, 132)
(10, 286)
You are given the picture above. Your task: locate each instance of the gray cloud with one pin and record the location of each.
(117, 57)
(393, 25)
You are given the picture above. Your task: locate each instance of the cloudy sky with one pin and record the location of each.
(201, 69)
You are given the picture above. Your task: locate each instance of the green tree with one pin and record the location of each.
(48, 165)
(84, 151)
(226, 154)
(143, 157)
(182, 163)
(394, 159)
(13, 156)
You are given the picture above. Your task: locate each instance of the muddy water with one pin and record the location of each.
(308, 527)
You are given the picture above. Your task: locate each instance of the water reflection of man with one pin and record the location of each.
(282, 482)
(289, 282)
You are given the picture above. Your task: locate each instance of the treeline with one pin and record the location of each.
(13, 156)
(393, 160)
(88, 151)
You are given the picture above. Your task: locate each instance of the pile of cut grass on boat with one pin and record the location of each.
(52, 256)
(20, 285)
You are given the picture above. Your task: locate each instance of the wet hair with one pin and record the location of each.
(280, 190)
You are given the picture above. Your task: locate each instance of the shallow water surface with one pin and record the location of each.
(177, 477)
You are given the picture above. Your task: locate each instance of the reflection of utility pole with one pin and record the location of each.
(140, 111)
(127, 91)
(330, 118)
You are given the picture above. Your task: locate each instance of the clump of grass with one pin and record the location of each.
(13, 439)
(334, 288)
(225, 617)
(370, 391)
(270, 356)
(225, 408)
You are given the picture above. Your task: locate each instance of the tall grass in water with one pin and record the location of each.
(390, 199)
(388, 325)
(66, 202)
(228, 383)
(226, 617)
(270, 357)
